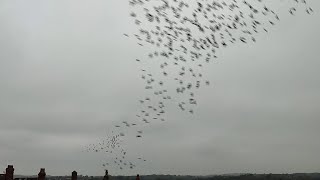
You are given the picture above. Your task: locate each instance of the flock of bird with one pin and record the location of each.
(182, 38)
(112, 145)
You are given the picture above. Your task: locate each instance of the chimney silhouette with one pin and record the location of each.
(9, 172)
(138, 177)
(74, 175)
(42, 174)
(106, 176)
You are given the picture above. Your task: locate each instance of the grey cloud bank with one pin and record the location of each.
(67, 73)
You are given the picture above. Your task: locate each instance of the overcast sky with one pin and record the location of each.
(67, 74)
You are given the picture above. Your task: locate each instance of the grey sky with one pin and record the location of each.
(67, 74)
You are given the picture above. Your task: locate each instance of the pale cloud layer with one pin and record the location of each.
(67, 74)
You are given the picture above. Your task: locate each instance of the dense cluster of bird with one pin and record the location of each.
(117, 155)
(182, 37)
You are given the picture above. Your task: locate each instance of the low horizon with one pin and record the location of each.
(154, 174)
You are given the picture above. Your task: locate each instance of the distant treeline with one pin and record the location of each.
(301, 176)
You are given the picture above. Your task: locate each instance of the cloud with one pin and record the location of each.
(67, 76)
